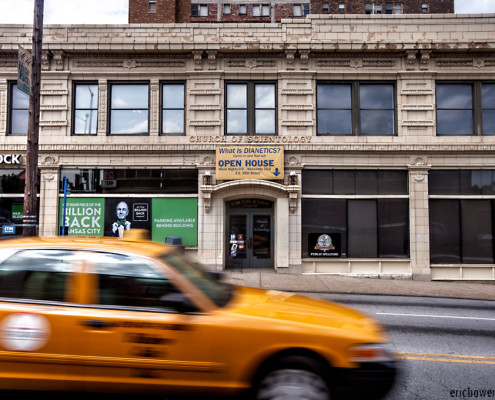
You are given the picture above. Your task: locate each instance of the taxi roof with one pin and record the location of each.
(133, 242)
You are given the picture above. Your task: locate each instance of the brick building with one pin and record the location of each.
(182, 11)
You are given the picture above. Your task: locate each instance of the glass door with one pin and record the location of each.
(249, 239)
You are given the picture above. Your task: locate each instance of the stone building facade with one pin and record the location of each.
(183, 11)
(383, 130)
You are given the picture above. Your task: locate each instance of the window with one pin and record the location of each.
(112, 181)
(465, 108)
(356, 108)
(370, 8)
(300, 10)
(368, 227)
(152, 6)
(461, 230)
(341, 8)
(391, 8)
(424, 8)
(251, 108)
(18, 112)
(173, 109)
(129, 108)
(36, 274)
(242, 9)
(261, 10)
(227, 9)
(12, 180)
(324, 8)
(199, 10)
(85, 108)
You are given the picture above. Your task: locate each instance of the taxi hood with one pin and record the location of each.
(299, 309)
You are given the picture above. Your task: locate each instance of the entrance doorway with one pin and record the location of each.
(249, 234)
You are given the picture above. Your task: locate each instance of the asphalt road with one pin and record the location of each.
(446, 346)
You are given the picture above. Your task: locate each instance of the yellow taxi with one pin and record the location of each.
(110, 315)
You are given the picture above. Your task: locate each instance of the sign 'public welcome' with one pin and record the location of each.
(250, 162)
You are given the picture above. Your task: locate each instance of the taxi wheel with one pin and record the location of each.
(292, 384)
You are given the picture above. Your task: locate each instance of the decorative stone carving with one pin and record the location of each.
(59, 61)
(45, 61)
(198, 60)
(49, 160)
(478, 63)
(304, 60)
(129, 63)
(293, 161)
(290, 58)
(424, 59)
(212, 60)
(356, 63)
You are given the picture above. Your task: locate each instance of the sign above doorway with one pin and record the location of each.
(250, 162)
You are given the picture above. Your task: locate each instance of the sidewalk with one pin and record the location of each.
(269, 279)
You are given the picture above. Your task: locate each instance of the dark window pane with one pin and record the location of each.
(87, 96)
(454, 96)
(393, 227)
(78, 180)
(343, 182)
(488, 182)
(12, 180)
(488, 122)
(85, 121)
(334, 96)
(334, 122)
(362, 228)
(377, 122)
(488, 95)
(317, 182)
(376, 96)
(454, 122)
(366, 182)
(323, 216)
(445, 244)
(443, 182)
(477, 236)
(392, 182)
(470, 182)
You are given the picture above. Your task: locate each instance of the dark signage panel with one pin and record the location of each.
(324, 245)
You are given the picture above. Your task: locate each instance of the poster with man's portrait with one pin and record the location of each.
(122, 214)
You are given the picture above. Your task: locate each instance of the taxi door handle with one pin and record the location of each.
(95, 323)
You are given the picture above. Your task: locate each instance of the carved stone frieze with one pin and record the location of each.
(45, 61)
(290, 58)
(212, 60)
(251, 63)
(304, 58)
(198, 60)
(58, 57)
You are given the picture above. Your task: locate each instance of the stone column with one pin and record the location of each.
(419, 220)
(49, 190)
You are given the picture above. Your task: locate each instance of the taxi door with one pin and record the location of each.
(133, 342)
(35, 313)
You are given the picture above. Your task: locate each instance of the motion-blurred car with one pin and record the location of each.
(134, 316)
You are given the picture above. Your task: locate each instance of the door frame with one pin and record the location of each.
(249, 212)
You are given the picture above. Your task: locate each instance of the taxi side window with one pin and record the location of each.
(36, 274)
(128, 281)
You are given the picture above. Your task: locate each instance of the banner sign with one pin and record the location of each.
(324, 245)
(122, 214)
(250, 162)
(84, 216)
(175, 217)
(24, 61)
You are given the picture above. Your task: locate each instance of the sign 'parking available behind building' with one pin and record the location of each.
(250, 162)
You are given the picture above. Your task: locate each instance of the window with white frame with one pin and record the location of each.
(424, 8)
(227, 9)
(152, 6)
(300, 10)
(260, 10)
(324, 8)
(393, 8)
(242, 9)
(199, 10)
(341, 8)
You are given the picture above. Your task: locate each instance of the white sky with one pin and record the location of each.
(115, 11)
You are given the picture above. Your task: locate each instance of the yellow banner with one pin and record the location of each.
(250, 162)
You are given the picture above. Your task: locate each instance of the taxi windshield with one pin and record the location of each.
(220, 293)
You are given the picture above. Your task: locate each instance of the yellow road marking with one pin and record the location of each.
(448, 358)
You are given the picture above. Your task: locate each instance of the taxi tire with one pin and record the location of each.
(292, 384)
